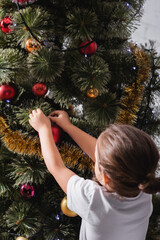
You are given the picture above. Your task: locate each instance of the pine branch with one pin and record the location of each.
(12, 65)
(27, 170)
(91, 72)
(23, 217)
(81, 24)
(46, 64)
(102, 110)
(35, 23)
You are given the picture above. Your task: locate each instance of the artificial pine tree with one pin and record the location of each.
(71, 55)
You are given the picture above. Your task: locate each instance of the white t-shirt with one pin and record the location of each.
(107, 216)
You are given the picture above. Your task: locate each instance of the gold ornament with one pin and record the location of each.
(21, 238)
(92, 92)
(32, 45)
(65, 209)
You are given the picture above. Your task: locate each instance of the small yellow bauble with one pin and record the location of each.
(21, 238)
(92, 92)
(32, 45)
(65, 209)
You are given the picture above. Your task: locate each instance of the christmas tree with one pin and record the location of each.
(71, 55)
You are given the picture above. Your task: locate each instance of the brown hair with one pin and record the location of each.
(129, 157)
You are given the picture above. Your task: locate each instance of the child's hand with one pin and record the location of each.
(61, 118)
(38, 120)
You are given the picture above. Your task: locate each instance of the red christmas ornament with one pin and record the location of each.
(7, 92)
(39, 89)
(23, 2)
(27, 190)
(57, 132)
(5, 24)
(88, 50)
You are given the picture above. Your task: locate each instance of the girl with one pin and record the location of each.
(125, 163)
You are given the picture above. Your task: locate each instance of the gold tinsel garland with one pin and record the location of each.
(19, 143)
(72, 156)
(75, 157)
(131, 100)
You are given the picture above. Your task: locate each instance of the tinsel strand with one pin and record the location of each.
(133, 94)
(17, 142)
(75, 157)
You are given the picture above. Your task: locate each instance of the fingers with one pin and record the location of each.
(34, 112)
(30, 115)
(52, 119)
(55, 113)
(54, 116)
(38, 110)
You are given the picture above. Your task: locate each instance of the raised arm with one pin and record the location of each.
(85, 141)
(51, 155)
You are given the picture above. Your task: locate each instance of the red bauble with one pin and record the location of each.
(57, 132)
(88, 50)
(39, 89)
(7, 92)
(5, 24)
(23, 2)
(27, 190)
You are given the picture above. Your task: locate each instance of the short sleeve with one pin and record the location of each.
(81, 196)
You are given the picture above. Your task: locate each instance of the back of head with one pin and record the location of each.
(129, 157)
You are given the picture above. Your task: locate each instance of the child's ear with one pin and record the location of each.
(106, 178)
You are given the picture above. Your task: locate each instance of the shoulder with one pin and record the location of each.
(83, 196)
(79, 184)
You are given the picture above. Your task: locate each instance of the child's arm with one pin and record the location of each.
(85, 141)
(51, 155)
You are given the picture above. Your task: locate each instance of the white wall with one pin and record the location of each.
(149, 28)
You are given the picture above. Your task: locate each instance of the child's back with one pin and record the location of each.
(107, 216)
(120, 209)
